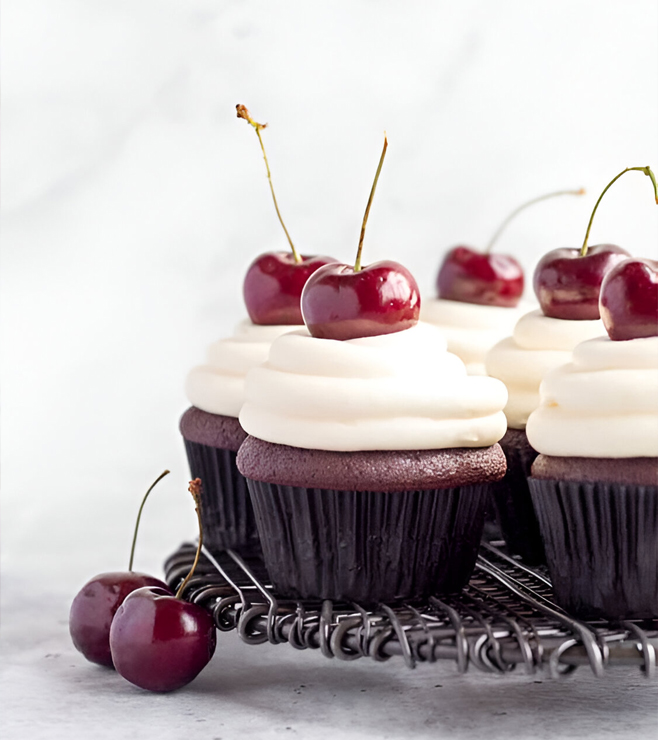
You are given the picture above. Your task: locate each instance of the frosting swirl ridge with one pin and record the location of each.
(400, 391)
(538, 345)
(602, 404)
(218, 386)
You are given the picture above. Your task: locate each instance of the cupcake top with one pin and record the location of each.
(602, 404)
(538, 344)
(218, 387)
(471, 328)
(399, 391)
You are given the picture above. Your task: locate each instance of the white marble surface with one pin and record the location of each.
(133, 200)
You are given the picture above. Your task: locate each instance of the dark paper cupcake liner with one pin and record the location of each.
(601, 544)
(368, 546)
(513, 502)
(226, 511)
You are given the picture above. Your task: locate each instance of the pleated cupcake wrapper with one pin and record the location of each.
(227, 515)
(368, 546)
(601, 544)
(514, 508)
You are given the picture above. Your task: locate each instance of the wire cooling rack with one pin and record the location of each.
(504, 619)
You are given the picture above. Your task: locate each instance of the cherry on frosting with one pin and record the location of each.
(567, 282)
(486, 278)
(629, 300)
(274, 282)
(344, 302)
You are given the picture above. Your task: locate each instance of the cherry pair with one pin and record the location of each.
(134, 623)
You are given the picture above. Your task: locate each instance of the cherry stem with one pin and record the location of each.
(647, 171)
(357, 263)
(522, 207)
(244, 113)
(195, 489)
(139, 516)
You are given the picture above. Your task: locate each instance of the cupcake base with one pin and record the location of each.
(601, 546)
(513, 502)
(368, 526)
(227, 515)
(368, 546)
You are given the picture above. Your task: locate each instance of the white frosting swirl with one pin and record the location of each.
(602, 404)
(537, 345)
(218, 386)
(470, 328)
(400, 391)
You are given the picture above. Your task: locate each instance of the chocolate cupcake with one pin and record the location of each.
(213, 435)
(538, 344)
(368, 463)
(595, 484)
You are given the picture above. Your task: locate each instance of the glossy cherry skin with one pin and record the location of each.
(338, 303)
(273, 286)
(474, 277)
(159, 642)
(629, 300)
(567, 285)
(94, 608)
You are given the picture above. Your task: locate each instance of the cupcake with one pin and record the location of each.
(595, 482)
(216, 390)
(212, 433)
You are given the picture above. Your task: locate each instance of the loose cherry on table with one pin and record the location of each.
(567, 282)
(274, 281)
(96, 603)
(160, 642)
(344, 302)
(629, 300)
(486, 278)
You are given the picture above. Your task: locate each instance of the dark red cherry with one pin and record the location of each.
(567, 285)
(94, 608)
(273, 286)
(341, 303)
(490, 279)
(629, 300)
(159, 642)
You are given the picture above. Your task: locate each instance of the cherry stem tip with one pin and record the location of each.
(243, 112)
(196, 489)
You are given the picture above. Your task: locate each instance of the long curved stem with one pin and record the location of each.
(195, 490)
(357, 262)
(647, 171)
(522, 207)
(139, 516)
(244, 113)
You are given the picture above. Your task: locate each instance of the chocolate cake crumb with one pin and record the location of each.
(386, 471)
(214, 430)
(629, 471)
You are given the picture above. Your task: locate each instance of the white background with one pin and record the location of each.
(133, 201)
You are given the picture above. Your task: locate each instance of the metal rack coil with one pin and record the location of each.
(503, 620)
